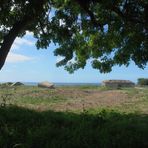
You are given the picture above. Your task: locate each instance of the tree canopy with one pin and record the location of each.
(105, 32)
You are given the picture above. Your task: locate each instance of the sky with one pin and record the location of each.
(27, 64)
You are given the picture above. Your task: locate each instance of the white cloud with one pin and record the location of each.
(14, 58)
(19, 42)
(29, 33)
(14, 46)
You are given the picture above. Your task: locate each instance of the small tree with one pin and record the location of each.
(142, 81)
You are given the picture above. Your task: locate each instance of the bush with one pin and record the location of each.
(142, 81)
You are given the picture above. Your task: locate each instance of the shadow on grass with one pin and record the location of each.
(25, 128)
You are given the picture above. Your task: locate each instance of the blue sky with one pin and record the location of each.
(27, 64)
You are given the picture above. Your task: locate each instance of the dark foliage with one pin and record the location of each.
(142, 81)
(107, 32)
(25, 128)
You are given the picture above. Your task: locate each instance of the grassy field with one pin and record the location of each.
(73, 117)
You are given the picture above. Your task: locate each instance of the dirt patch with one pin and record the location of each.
(81, 100)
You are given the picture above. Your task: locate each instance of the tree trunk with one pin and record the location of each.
(17, 28)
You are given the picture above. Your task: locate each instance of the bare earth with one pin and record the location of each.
(90, 99)
(73, 99)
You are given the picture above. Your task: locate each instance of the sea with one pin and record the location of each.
(64, 84)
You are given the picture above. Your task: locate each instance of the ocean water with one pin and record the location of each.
(65, 84)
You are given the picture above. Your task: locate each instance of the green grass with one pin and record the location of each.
(20, 127)
(38, 101)
(137, 100)
(28, 95)
(122, 126)
(39, 97)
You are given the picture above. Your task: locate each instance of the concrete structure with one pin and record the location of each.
(46, 85)
(17, 84)
(118, 83)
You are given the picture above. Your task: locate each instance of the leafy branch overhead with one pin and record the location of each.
(108, 32)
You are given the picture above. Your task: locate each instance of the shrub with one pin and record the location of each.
(143, 81)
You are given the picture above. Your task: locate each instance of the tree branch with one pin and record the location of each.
(85, 6)
(10, 37)
(18, 27)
